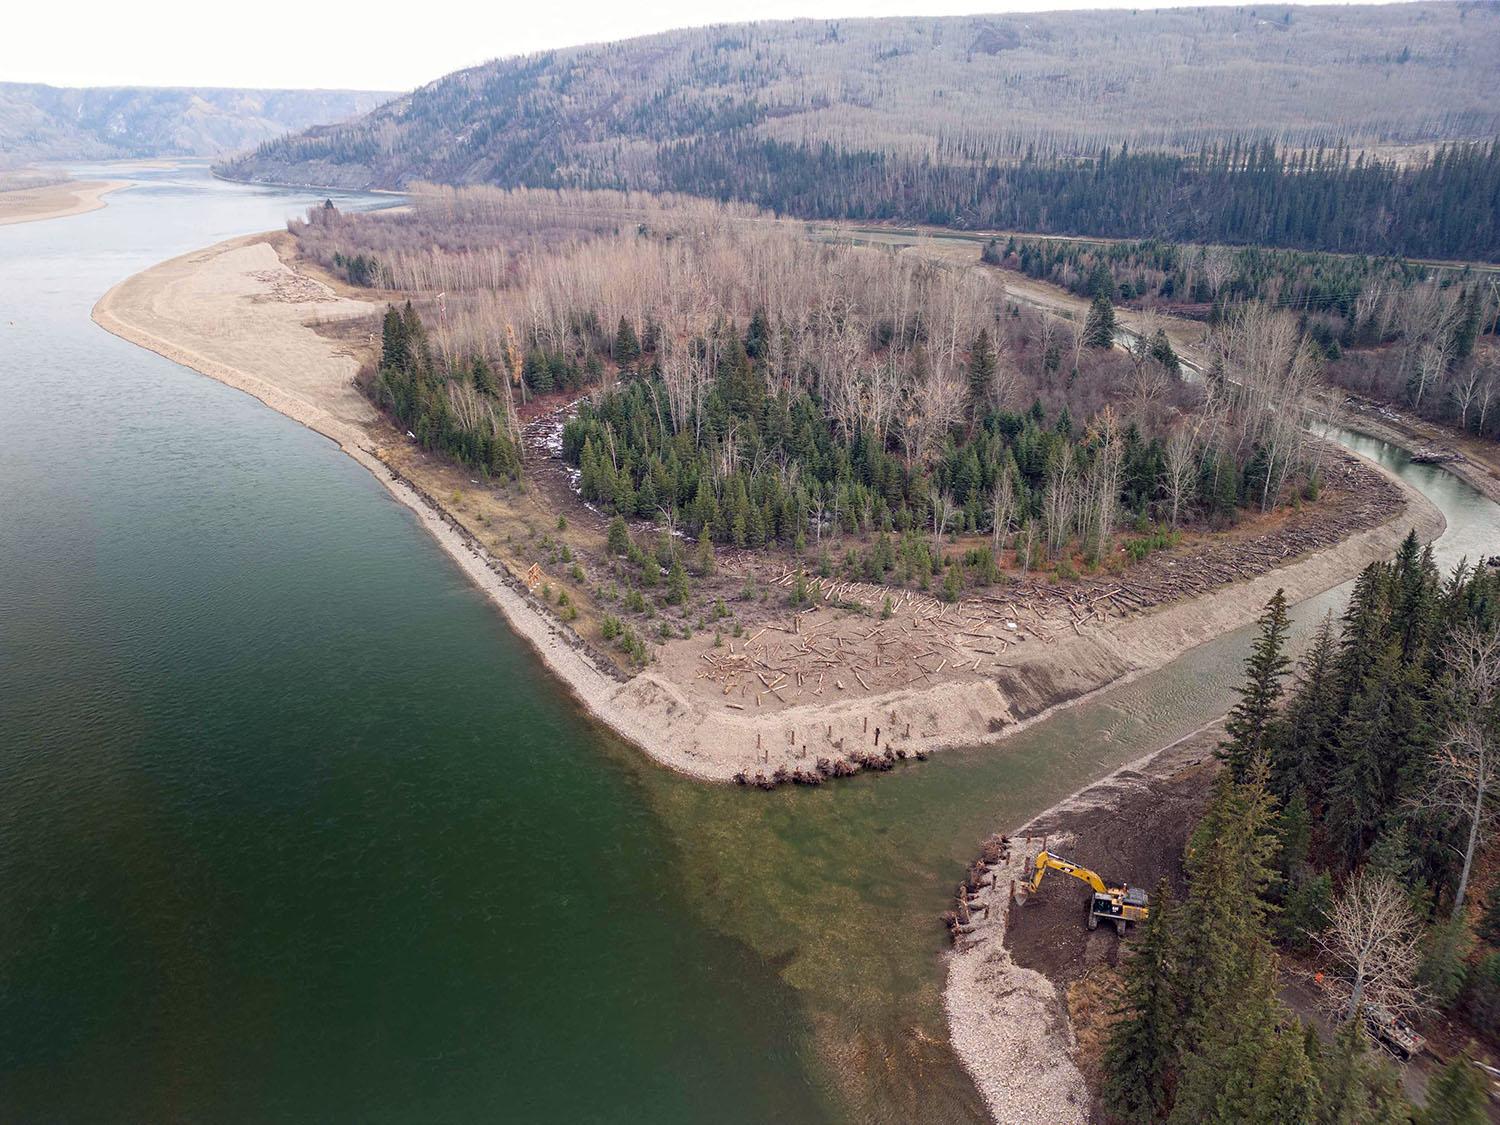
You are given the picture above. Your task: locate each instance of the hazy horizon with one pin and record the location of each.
(288, 47)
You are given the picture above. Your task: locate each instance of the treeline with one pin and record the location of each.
(1204, 281)
(1346, 825)
(1399, 331)
(1445, 206)
(462, 412)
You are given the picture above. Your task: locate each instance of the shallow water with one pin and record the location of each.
(293, 828)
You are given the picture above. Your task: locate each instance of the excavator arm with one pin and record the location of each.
(1045, 860)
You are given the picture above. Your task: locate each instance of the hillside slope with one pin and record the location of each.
(952, 91)
(59, 123)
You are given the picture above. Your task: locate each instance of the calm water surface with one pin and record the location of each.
(292, 828)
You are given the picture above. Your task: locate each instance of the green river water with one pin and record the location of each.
(293, 829)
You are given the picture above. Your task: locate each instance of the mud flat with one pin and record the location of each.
(55, 201)
(240, 314)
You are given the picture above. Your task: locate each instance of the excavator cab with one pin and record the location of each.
(1118, 905)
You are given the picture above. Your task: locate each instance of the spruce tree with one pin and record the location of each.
(1249, 724)
(1099, 327)
(677, 583)
(981, 367)
(393, 351)
(1229, 870)
(1457, 1096)
(1300, 750)
(619, 537)
(1357, 1088)
(1358, 796)
(1142, 1045)
(627, 346)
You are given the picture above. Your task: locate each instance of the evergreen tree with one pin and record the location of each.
(627, 346)
(758, 334)
(1300, 750)
(1099, 327)
(618, 539)
(1244, 1064)
(1249, 724)
(1457, 1096)
(1358, 796)
(484, 380)
(393, 351)
(1161, 350)
(1229, 872)
(981, 367)
(1142, 1045)
(677, 583)
(1356, 1087)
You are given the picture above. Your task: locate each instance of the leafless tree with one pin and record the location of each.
(1060, 503)
(1466, 767)
(1465, 390)
(941, 501)
(1102, 489)
(1218, 267)
(1181, 464)
(1002, 511)
(1373, 944)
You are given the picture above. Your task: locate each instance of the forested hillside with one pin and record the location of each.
(57, 123)
(1120, 123)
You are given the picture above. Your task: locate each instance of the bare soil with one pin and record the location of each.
(1131, 828)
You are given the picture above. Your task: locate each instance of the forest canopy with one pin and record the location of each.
(756, 386)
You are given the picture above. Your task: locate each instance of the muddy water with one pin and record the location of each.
(292, 828)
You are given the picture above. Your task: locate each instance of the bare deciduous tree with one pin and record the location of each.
(1373, 944)
(1002, 511)
(1466, 767)
(1181, 464)
(1218, 267)
(942, 511)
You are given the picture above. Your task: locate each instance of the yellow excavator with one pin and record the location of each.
(1120, 905)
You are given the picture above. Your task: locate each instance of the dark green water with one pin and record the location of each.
(293, 829)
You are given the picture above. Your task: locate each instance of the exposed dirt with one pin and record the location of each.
(1130, 828)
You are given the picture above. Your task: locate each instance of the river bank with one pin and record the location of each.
(55, 201)
(1471, 459)
(241, 314)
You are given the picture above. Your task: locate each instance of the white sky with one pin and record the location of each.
(371, 45)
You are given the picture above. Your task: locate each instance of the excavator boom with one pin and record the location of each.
(1115, 905)
(1045, 860)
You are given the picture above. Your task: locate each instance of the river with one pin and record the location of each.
(292, 828)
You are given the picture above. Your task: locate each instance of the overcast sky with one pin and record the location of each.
(372, 45)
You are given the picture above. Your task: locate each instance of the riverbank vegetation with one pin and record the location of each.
(1426, 337)
(741, 383)
(1344, 831)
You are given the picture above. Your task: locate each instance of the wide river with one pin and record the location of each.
(292, 828)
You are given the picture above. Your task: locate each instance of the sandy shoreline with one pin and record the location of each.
(55, 201)
(237, 313)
